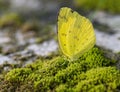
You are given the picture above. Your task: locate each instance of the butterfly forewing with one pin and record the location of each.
(63, 25)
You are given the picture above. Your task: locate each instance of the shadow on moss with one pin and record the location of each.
(91, 73)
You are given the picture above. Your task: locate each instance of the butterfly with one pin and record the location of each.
(75, 33)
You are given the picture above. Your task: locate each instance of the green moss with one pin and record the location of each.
(108, 5)
(20, 74)
(99, 79)
(92, 72)
(10, 19)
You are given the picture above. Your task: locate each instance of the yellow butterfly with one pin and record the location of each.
(75, 33)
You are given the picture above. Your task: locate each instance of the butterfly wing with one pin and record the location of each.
(63, 26)
(75, 33)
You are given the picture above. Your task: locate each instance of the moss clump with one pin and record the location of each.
(108, 5)
(99, 80)
(19, 74)
(10, 20)
(91, 72)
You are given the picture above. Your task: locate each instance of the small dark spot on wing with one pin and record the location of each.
(71, 10)
(63, 17)
(82, 43)
(75, 37)
(78, 26)
(63, 34)
(74, 45)
(64, 44)
(69, 31)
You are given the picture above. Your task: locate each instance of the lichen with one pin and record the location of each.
(92, 72)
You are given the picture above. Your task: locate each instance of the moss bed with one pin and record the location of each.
(93, 72)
